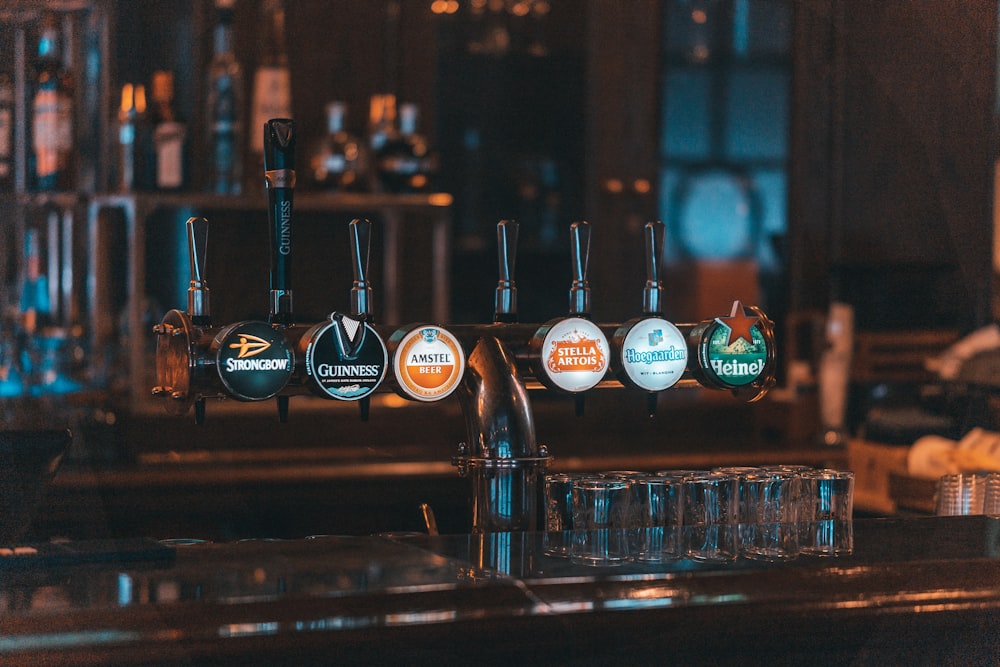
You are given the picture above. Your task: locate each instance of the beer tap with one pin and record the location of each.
(181, 336)
(505, 310)
(652, 352)
(361, 290)
(501, 457)
(571, 353)
(345, 358)
(279, 182)
(199, 304)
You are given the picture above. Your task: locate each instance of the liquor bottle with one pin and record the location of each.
(405, 162)
(339, 160)
(35, 307)
(6, 132)
(169, 135)
(225, 107)
(272, 82)
(133, 137)
(52, 113)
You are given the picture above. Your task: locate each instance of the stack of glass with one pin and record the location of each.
(771, 513)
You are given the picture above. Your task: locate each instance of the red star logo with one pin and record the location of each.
(739, 324)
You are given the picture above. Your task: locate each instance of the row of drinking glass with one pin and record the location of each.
(769, 513)
(968, 493)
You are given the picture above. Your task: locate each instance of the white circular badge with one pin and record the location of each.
(574, 354)
(654, 354)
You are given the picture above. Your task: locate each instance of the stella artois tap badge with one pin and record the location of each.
(574, 354)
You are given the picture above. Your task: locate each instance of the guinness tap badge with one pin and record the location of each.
(253, 360)
(345, 358)
(428, 362)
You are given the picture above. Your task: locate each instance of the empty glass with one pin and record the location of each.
(773, 501)
(600, 521)
(656, 505)
(710, 519)
(559, 513)
(828, 512)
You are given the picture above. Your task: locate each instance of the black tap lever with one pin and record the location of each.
(199, 307)
(652, 293)
(506, 294)
(279, 181)
(361, 292)
(579, 291)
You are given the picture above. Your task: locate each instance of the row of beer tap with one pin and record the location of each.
(348, 355)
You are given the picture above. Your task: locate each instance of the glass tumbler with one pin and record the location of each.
(656, 507)
(829, 512)
(600, 521)
(559, 513)
(773, 507)
(711, 516)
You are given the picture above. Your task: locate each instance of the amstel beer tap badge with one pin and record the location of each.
(732, 350)
(575, 354)
(429, 363)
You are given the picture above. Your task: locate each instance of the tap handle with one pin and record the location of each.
(198, 295)
(579, 291)
(506, 295)
(279, 180)
(652, 293)
(361, 292)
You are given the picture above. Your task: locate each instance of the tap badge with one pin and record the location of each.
(253, 360)
(653, 354)
(732, 350)
(346, 358)
(575, 354)
(428, 363)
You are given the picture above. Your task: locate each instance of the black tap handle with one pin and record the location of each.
(652, 293)
(579, 291)
(506, 295)
(199, 309)
(361, 292)
(279, 180)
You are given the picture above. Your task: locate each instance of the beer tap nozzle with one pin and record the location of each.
(579, 291)
(361, 292)
(199, 307)
(279, 181)
(652, 293)
(506, 294)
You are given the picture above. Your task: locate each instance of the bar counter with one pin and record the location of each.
(919, 590)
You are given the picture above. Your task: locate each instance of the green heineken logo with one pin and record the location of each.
(734, 350)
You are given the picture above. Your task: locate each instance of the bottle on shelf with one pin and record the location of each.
(225, 107)
(133, 134)
(405, 161)
(36, 305)
(339, 160)
(169, 136)
(6, 130)
(272, 81)
(52, 112)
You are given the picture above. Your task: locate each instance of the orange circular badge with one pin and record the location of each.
(429, 363)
